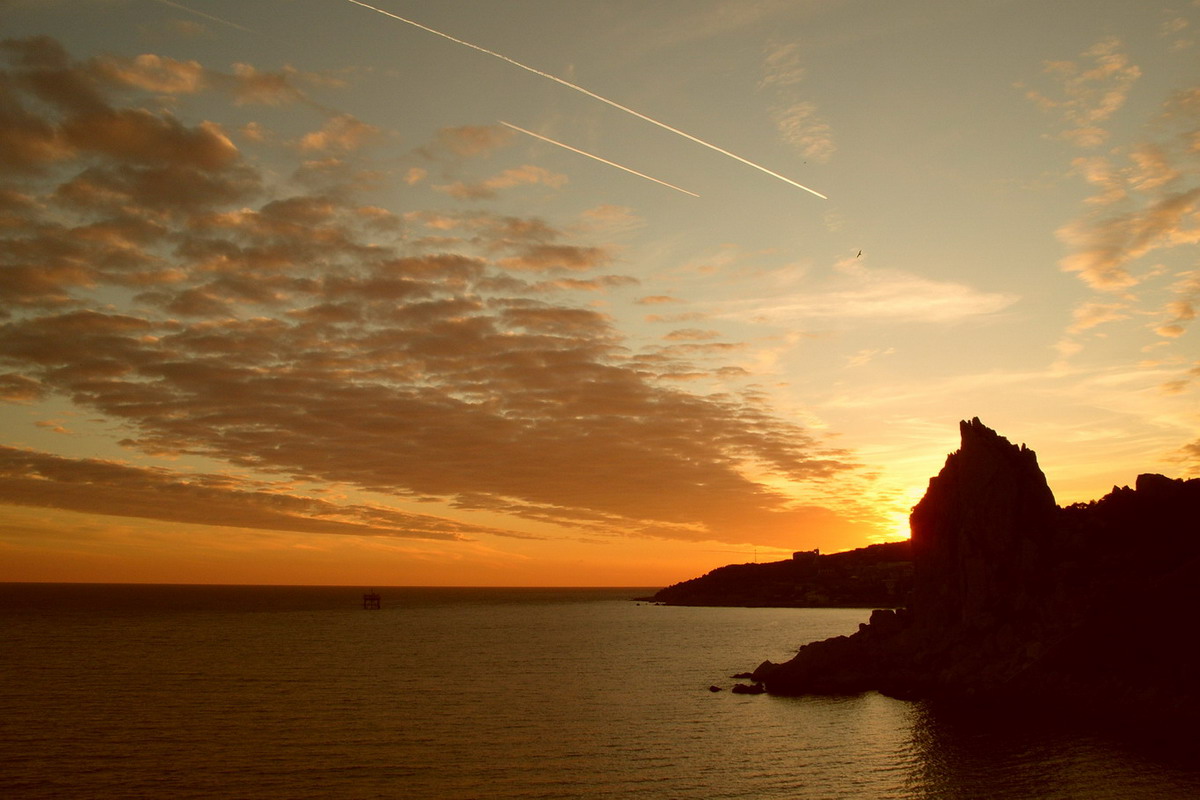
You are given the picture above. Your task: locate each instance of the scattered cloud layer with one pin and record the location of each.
(1087, 92)
(157, 276)
(30, 478)
(1145, 199)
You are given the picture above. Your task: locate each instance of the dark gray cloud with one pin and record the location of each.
(30, 478)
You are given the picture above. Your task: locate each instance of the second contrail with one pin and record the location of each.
(598, 158)
(593, 95)
(206, 16)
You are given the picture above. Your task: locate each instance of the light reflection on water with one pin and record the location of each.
(1006, 755)
(482, 693)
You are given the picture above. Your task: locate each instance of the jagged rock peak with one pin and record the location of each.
(978, 532)
(986, 476)
(974, 434)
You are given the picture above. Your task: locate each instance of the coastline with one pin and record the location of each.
(1018, 601)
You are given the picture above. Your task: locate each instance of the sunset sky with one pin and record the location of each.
(285, 300)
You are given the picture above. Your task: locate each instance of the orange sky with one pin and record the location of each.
(284, 302)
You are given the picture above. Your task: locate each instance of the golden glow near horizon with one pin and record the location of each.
(282, 302)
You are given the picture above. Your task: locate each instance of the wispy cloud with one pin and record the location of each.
(795, 116)
(1175, 29)
(1105, 245)
(31, 478)
(1189, 456)
(856, 292)
(863, 357)
(720, 19)
(514, 176)
(467, 141)
(210, 17)
(1093, 313)
(1146, 203)
(1088, 92)
(1180, 311)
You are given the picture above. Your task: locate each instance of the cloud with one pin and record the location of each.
(56, 110)
(226, 22)
(1092, 313)
(341, 133)
(251, 86)
(859, 293)
(802, 128)
(305, 336)
(1147, 202)
(515, 176)
(600, 283)
(1181, 311)
(1104, 246)
(141, 137)
(1189, 456)
(153, 73)
(16, 388)
(692, 334)
(543, 257)
(720, 19)
(468, 141)
(1088, 93)
(31, 478)
(795, 116)
(42, 66)
(611, 218)
(185, 28)
(447, 399)
(686, 316)
(863, 357)
(1175, 29)
(782, 66)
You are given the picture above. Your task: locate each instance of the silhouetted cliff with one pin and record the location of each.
(878, 575)
(1014, 597)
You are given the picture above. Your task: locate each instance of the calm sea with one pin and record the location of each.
(281, 692)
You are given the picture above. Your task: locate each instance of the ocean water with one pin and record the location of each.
(297, 692)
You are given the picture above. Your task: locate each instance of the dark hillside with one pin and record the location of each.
(876, 576)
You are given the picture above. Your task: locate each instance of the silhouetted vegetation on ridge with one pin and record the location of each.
(877, 575)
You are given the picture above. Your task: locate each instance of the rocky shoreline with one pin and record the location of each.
(1015, 599)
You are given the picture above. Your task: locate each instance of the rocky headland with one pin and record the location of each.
(1091, 606)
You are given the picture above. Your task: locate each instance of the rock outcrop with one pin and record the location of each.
(1015, 598)
(980, 533)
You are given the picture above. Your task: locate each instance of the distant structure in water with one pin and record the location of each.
(371, 601)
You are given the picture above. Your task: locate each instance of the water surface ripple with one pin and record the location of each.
(270, 692)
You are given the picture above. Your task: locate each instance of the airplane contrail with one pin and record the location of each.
(206, 16)
(593, 95)
(598, 158)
